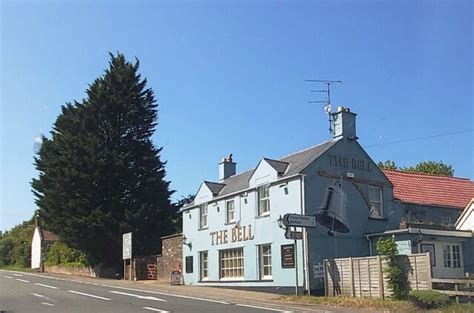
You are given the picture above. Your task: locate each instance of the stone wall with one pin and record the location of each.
(75, 271)
(171, 257)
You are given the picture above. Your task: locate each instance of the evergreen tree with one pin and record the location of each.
(100, 175)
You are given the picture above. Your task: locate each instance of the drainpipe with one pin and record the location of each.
(370, 244)
(305, 239)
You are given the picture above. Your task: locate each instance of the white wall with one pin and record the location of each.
(439, 271)
(36, 249)
(466, 221)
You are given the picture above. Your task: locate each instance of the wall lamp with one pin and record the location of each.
(186, 243)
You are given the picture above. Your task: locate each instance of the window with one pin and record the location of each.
(203, 272)
(265, 255)
(456, 256)
(420, 217)
(446, 218)
(376, 202)
(446, 255)
(189, 264)
(230, 211)
(231, 263)
(203, 216)
(263, 200)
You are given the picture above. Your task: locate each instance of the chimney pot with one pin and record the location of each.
(226, 168)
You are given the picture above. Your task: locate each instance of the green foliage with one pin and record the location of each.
(427, 167)
(428, 299)
(390, 165)
(60, 254)
(15, 245)
(387, 247)
(431, 167)
(397, 278)
(100, 175)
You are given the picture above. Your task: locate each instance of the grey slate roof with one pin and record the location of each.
(290, 165)
(214, 187)
(279, 166)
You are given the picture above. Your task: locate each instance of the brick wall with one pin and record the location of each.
(171, 257)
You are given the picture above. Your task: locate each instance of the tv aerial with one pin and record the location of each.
(327, 102)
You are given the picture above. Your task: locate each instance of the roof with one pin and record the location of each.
(428, 189)
(48, 236)
(287, 166)
(215, 188)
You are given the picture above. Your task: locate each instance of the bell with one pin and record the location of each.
(332, 212)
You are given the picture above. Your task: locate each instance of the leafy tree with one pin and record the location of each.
(432, 167)
(396, 276)
(178, 219)
(428, 167)
(15, 245)
(60, 254)
(390, 165)
(100, 175)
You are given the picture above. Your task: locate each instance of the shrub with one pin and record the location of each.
(60, 254)
(397, 278)
(428, 299)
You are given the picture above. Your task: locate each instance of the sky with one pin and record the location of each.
(229, 77)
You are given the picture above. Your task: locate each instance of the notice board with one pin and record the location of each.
(288, 256)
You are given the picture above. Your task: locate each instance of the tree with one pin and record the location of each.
(432, 167)
(100, 175)
(15, 245)
(428, 167)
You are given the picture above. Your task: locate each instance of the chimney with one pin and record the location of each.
(226, 168)
(344, 125)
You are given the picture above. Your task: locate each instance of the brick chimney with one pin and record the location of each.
(226, 168)
(344, 123)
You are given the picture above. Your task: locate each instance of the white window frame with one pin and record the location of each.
(263, 202)
(447, 256)
(227, 211)
(446, 218)
(204, 265)
(374, 211)
(456, 256)
(265, 261)
(203, 212)
(231, 264)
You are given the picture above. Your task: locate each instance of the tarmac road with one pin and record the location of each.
(28, 292)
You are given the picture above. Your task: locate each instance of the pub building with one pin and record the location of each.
(233, 233)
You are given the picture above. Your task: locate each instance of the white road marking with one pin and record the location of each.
(15, 274)
(262, 308)
(22, 280)
(88, 295)
(37, 295)
(47, 286)
(9, 277)
(46, 303)
(171, 295)
(153, 309)
(138, 296)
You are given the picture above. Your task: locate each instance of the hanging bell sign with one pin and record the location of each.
(332, 212)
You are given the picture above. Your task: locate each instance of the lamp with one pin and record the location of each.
(189, 244)
(280, 222)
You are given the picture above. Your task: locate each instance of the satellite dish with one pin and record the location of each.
(327, 108)
(332, 214)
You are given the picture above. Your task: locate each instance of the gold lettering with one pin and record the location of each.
(239, 234)
(225, 236)
(250, 232)
(244, 237)
(212, 236)
(234, 234)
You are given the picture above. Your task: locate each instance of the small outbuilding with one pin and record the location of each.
(41, 240)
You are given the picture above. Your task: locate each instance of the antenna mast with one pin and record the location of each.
(327, 106)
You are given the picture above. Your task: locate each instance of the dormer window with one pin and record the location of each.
(203, 216)
(263, 200)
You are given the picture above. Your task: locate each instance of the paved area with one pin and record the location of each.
(84, 294)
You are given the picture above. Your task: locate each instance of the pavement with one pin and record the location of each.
(32, 292)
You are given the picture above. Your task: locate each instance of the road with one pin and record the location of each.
(29, 292)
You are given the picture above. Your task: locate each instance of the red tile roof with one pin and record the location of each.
(49, 236)
(431, 189)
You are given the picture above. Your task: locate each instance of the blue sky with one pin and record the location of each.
(229, 77)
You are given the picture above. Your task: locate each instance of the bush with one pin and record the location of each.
(428, 299)
(60, 254)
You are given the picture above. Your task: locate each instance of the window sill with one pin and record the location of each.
(230, 223)
(377, 218)
(203, 228)
(263, 215)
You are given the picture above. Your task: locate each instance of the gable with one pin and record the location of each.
(203, 195)
(263, 174)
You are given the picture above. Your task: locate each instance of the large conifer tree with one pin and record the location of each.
(100, 175)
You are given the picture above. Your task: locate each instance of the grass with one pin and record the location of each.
(18, 268)
(375, 304)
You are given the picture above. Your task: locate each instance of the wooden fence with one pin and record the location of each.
(365, 276)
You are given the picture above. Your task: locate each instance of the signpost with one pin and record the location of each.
(295, 220)
(127, 252)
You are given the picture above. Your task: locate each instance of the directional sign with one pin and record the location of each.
(127, 246)
(295, 235)
(299, 220)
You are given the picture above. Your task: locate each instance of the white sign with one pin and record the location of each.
(318, 271)
(127, 246)
(299, 220)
